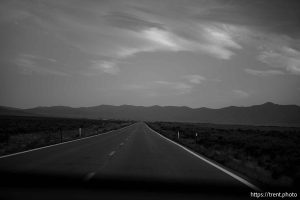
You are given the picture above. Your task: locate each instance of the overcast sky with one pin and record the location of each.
(201, 53)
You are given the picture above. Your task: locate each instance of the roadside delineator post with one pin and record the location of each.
(79, 132)
(61, 135)
(196, 135)
(178, 135)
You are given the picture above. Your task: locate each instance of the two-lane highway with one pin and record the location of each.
(147, 154)
(133, 151)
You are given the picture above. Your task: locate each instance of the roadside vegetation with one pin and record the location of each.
(18, 133)
(269, 156)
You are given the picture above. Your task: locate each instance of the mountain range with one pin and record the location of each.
(265, 114)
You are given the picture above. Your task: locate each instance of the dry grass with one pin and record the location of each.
(267, 155)
(23, 133)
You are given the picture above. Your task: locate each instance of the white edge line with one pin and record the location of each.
(211, 163)
(44, 147)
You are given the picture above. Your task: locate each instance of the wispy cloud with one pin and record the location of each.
(179, 87)
(285, 58)
(185, 85)
(264, 72)
(241, 93)
(120, 34)
(105, 67)
(30, 64)
(195, 78)
(219, 40)
(212, 39)
(164, 40)
(160, 88)
(120, 30)
(129, 21)
(275, 50)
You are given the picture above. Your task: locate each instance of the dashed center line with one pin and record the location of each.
(89, 176)
(112, 153)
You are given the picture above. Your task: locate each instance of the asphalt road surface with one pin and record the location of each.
(135, 151)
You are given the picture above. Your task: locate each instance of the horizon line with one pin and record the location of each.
(24, 108)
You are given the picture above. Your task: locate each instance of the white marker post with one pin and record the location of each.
(196, 135)
(178, 135)
(79, 132)
(61, 135)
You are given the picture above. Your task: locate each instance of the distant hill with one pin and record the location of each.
(265, 114)
(14, 111)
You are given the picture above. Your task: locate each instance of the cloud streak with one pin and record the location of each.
(105, 67)
(121, 30)
(241, 93)
(160, 88)
(285, 58)
(121, 34)
(208, 39)
(195, 78)
(264, 73)
(30, 64)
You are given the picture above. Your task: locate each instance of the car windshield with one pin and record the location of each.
(166, 99)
